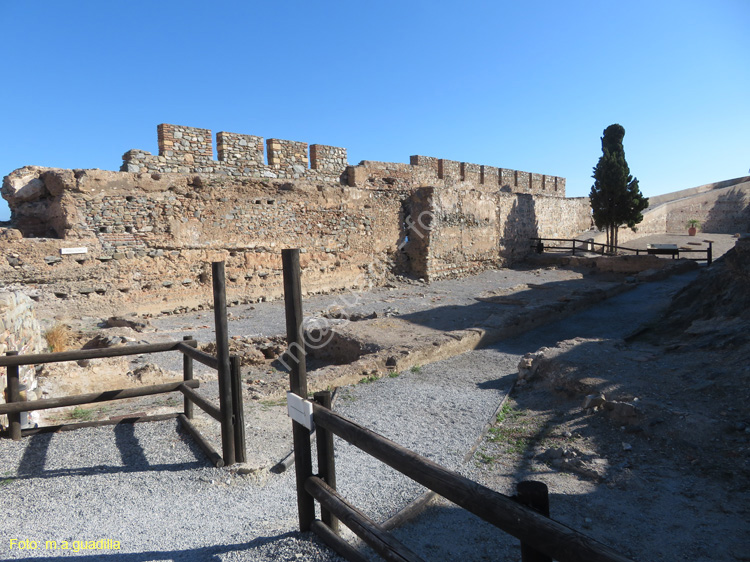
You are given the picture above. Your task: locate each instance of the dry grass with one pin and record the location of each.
(58, 337)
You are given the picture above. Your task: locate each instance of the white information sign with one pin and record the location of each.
(300, 410)
(68, 251)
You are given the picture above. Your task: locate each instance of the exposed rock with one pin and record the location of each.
(622, 412)
(714, 310)
(147, 372)
(10, 234)
(102, 341)
(121, 322)
(57, 180)
(594, 401)
(529, 365)
(23, 187)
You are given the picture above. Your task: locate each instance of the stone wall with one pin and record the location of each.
(721, 211)
(327, 158)
(463, 235)
(150, 233)
(185, 147)
(188, 150)
(721, 208)
(150, 241)
(523, 216)
(244, 152)
(19, 331)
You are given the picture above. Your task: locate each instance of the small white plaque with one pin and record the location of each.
(300, 410)
(68, 251)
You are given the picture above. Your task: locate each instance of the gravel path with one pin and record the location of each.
(615, 318)
(267, 318)
(148, 487)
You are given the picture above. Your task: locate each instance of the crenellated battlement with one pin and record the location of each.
(245, 151)
(190, 150)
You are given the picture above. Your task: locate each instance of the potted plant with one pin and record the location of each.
(693, 225)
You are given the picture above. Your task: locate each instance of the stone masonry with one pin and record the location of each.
(19, 331)
(151, 230)
(189, 150)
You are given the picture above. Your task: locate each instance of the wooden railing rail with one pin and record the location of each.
(546, 535)
(199, 401)
(93, 397)
(78, 354)
(522, 517)
(576, 244)
(229, 413)
(188, 349)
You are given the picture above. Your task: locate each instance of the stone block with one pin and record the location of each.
(449, 169)
(427, 162)
(490, 177)
(471, 172)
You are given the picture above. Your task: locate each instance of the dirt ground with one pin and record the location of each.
(668, 479)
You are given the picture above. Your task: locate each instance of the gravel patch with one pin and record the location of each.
(150, 488)
(438, 411)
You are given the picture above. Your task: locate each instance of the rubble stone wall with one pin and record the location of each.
(244, 152)
(189, 150)
(150, 233)
(19, 331)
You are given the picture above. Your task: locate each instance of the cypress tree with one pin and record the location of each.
(615, 197)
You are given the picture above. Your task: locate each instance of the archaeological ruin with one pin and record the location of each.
(142, 237)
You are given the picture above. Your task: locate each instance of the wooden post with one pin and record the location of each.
(13, 395)
(187, 375)
(536, 496)
(240, 450)
(222, 354)
(298, 382)
(710, 253)
(326, 462)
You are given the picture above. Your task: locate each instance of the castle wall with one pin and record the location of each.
(188, 150)
(151, 230)
(522, 216)
(463, 237)
(720, 210)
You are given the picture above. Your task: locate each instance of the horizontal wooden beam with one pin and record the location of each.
(77, 355)
(201, 402)
(339, 545)
(365, 528)
(548, 536)
(100, 423)
(409, 512)
(200, 356)
(78, 399)
(203, 443)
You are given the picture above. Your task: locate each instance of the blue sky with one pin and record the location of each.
(526, 85)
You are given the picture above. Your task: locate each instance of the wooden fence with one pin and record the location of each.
(229, 412)
(541, 245)
(523, 517)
